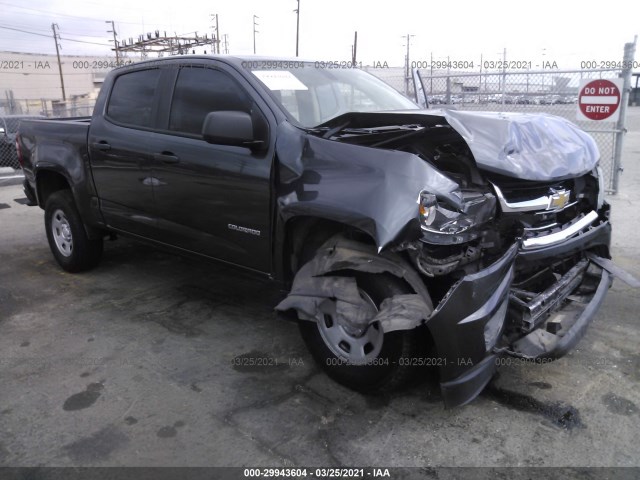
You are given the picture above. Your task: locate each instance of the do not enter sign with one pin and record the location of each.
(599, 100)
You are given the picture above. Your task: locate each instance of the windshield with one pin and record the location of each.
(314, 95)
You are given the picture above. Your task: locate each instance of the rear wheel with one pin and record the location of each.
(371, 361)
(68, 241)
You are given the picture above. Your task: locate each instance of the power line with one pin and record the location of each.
(66, 39)
(36, 27)
(61, 38)
(24, 31)
(30, 27)
(40, 11)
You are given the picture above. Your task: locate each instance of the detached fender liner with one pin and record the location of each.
(314, 290)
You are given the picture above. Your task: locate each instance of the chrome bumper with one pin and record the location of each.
(562, 235)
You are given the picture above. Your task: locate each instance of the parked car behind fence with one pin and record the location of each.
(8, 128)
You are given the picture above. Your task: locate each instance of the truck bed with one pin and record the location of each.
(55, 138)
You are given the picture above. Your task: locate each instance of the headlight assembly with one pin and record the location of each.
(444, 223)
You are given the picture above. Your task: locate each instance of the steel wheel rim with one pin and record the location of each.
(61, 231)
(353, 350)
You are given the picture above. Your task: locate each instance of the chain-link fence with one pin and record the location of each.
(8, 154)
(75, 107)
(8, 129)
(554, 92)
(548, 91)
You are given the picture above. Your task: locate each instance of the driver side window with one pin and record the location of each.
(201, 90)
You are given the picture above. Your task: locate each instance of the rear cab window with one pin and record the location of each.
(132, 98)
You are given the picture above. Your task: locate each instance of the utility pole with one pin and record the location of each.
(115, 42)
(56, 36)
(629, 55)
(216, 38)
(217, 35)
(297, 10)
(255, 24)
(504, 75)
(407, 70)
(480, 86)
(225, 42)
(354, 49)
(431, 65)
(544, 52)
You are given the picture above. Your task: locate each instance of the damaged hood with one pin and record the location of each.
(537, 147)
(528, 146)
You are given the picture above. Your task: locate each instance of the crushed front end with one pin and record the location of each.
(511, 234)
(521, 274)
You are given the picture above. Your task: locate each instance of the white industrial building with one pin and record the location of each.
(30, 83)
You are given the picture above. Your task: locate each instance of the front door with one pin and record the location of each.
(213, 199)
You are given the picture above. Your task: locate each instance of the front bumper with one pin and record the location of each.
(471, 323)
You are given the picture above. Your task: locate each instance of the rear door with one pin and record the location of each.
(122, 141)
(214, 199)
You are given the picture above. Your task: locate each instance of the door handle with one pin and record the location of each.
(102, 146)
(166, 157)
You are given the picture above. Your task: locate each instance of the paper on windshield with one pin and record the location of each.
(279, 80)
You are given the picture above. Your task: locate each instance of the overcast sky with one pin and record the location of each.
(544, 30)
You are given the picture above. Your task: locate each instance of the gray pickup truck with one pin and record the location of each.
(405, 237)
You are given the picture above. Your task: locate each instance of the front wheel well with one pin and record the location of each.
(305, 235)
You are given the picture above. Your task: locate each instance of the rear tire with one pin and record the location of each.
(388, 366)
(68, 240)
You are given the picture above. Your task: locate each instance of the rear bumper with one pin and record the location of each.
(471, 330)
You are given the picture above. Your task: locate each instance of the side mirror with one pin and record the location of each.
(233, 128)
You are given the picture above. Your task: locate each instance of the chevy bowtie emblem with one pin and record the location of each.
(558, 199)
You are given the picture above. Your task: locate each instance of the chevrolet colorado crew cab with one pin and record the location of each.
(394, 228)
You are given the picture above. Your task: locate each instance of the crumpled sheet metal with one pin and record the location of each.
(372, 189)
(539, 147)
(315, 292)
